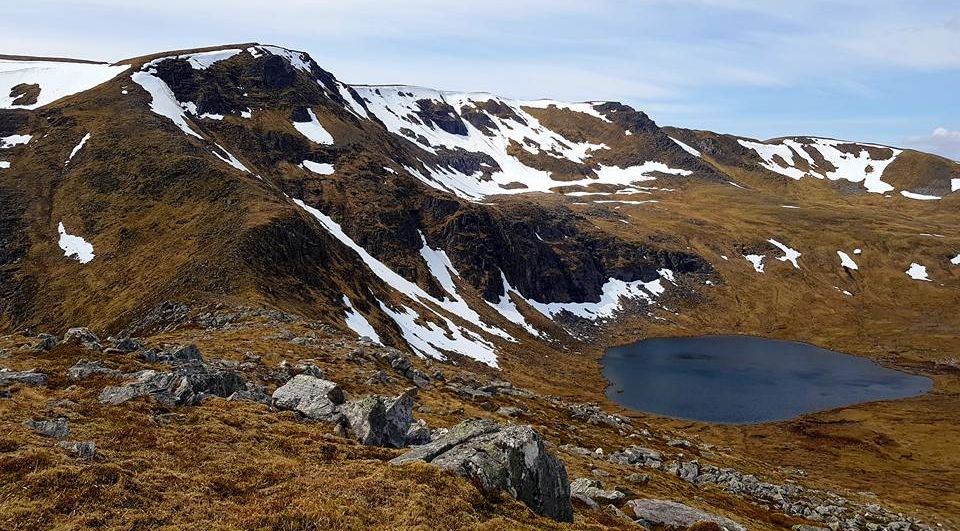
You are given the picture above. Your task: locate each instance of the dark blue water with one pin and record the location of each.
(743, 380)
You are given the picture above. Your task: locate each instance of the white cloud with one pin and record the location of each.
(941, 141)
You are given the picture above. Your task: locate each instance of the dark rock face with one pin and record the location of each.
(511, 458)
(276, 72)
(127, 344)
(380, 421)
(25, 93)
(442, 115)
(310, 396)
(185, 385)
(674, 516)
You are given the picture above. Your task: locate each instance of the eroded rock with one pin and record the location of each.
(57, 428)
(380, 421)
(502, 457)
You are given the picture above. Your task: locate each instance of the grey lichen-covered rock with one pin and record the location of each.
(186, 385)
(637, 455)
(380, 421)
(127, 344)
(8, 377)
(80, 450)
(57, 428)
(593, 489)
(45, 342)
(82, 336)
(502, 457)
(84, 369)
(418, 433)
(310, 396)
(676, 516)
(253, 392)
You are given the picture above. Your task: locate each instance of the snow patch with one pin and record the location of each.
(318, 167)
(918, 272)
(686, 147)
(846, 261)
(508, 309)
(314, 130)
(4, 164)
(230, 159)
(955, 260)
(789, 255)
(163, 101)
(920, 197)
(613, 292)
(14, 140)
(791, 158)
(358, 323)
(424, 339)
(74, 246)
(756, 260)
(77, 148)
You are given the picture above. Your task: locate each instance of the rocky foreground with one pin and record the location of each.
(79, 405)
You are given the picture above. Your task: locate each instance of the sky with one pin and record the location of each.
(884, 71)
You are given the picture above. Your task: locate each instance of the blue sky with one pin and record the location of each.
(885, 71)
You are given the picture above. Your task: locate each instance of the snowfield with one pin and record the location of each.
(57, 79)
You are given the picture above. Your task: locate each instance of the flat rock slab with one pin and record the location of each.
(676, 516)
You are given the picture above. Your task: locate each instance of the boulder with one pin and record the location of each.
(82, 336)
(127, 344)
(45, 342)
(380, 421)
(592, 488)
(8, 377)
(84, 369)
(637, 455)
(419, 433)
(674, 516)
(186, 385)
(80, 450)
(57, 428)
(310, 396)
(498, 457)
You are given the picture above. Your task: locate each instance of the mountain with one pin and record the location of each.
(502, 236)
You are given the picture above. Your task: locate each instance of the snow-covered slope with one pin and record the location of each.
(493, 130)
(824, 158)
(55, 80)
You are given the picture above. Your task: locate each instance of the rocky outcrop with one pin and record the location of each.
(674, 516)
(186, 385)
(45, 342)
(8, 377)
(593, 489)
(82, 336)
(502, 457)
(57, 428)
(83, 369)
(378, 420)
(81, 450)
(310, 396)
